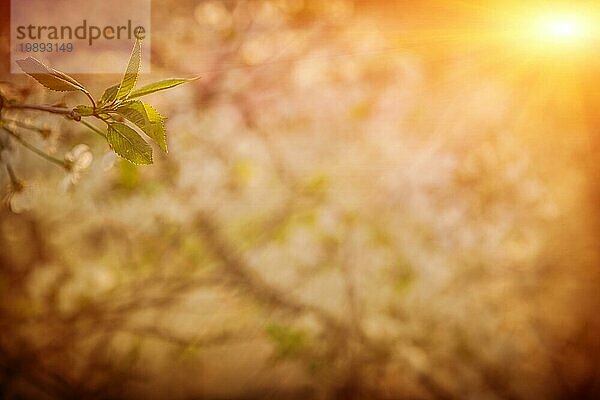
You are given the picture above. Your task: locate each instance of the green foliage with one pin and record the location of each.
(114, 105)
(129, 144)
(131, 74)
(290, 342)
(84, 111)
(147, 119)
(50, 78)
(158, 86)
(109, 95)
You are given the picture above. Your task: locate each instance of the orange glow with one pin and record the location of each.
(563, 28)
(556, 30)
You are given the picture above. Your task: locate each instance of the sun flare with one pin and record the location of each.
(563, 28)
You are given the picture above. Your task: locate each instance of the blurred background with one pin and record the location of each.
(362, 200)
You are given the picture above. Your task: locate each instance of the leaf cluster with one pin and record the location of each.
(119, 107)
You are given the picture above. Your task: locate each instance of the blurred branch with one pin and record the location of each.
(241, 274)
(94, 129)
(34, 149)
(24, 125)
(14, 181)
(168, 337)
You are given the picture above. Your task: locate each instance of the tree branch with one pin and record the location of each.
(54, 110)
(34, 149)
(239, 272)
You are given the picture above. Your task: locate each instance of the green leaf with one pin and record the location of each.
(158, 86)
(131, 74)
(147, 119)
(127, 143)
(109, 94)
(84, 111)
(49, 77)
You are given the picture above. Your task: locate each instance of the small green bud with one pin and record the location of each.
(84, 111)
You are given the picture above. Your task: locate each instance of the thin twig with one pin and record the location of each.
(91, 98)
(93, 128)
(25, 125)
(34, 149)
(54, 110)
(14, 181)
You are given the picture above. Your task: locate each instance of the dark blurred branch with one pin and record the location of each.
(239, 273)
(168, 337)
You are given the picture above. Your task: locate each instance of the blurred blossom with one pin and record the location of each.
(311, 71)
(51, 134)
(267, 14)
(108, 160)
(20, 196)
(367, 40)
(98, 278)
(237, 81)
(257, 49)
(48, 130)
(303, 247)
(213, 13)
(319, 174)
(77, 160)
(289, 42)
(330, 221)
